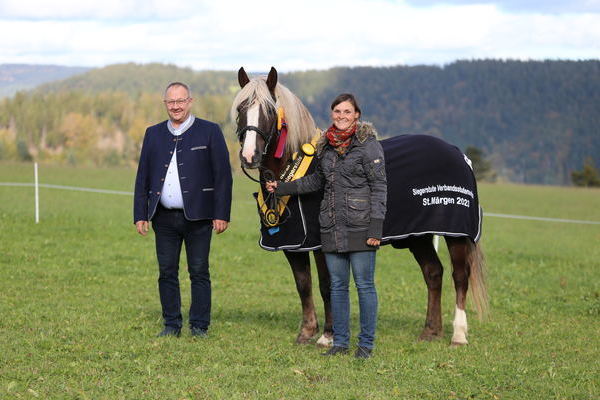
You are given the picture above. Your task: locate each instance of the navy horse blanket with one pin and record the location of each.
(431, 190)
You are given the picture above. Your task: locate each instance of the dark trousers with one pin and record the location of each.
(171, 230)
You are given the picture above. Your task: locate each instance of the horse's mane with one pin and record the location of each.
(301, 126)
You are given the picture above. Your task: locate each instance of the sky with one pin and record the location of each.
(295, 35)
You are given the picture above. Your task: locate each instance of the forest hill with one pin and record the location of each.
(536, 121)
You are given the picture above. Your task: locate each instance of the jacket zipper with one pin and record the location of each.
(332, 206)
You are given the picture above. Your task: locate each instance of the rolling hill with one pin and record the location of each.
(536, 121)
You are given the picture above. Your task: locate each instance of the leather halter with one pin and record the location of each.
(267, 137)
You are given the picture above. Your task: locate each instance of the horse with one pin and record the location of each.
(257, 110)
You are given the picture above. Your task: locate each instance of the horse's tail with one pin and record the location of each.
(477, 279)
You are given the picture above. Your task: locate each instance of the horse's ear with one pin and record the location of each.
(272, 79)
(243, 77)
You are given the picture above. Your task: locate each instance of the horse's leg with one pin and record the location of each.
(326, 339)
(459, 251)
(300, 264)
(431, 266)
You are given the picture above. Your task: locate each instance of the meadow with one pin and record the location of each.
(80, 309)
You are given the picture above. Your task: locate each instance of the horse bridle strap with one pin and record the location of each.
(241, 133)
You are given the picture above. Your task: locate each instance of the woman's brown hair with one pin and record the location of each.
(346, 97)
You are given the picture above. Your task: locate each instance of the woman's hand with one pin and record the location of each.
(373, 242)
(271, 186)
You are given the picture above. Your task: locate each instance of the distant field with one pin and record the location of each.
(80, 307)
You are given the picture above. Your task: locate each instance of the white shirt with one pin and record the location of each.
(171, 191)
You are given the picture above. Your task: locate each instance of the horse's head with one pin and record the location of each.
(255, 112)
(255, 109)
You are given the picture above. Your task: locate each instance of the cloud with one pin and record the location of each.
(314, 35)
(113, 10)
(529, 6)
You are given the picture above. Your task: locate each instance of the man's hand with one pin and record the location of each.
(373, 242)
(219, 225)
(142, 227)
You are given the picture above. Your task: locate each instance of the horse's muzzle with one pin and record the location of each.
(254, 164)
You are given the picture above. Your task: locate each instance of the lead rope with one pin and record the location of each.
(249, 176)
(272, 217)
(272, 202)
(273, 206)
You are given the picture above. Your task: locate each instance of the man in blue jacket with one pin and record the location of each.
(183, 186)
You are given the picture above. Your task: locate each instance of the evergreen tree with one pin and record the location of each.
(589, 176)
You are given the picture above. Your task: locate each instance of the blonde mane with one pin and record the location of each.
(301, 126)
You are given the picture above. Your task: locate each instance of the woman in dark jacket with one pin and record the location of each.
(351, 170)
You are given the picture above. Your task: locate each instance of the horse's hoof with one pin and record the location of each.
(304, 339)
(459, 339)
(325, 341)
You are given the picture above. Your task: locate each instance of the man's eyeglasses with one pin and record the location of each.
(178, 102)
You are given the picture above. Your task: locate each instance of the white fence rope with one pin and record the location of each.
(571, 221)
(79, 189)
(485, 214)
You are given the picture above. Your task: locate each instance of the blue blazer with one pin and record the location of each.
(202, 164)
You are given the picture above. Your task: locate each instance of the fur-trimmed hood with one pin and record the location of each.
(364, 130)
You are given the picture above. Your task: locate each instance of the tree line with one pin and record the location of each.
(535, 121)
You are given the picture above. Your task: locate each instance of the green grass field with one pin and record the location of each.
(80, 307)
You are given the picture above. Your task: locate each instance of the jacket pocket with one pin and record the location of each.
(198, 148)
(325, 217)
(358, 211)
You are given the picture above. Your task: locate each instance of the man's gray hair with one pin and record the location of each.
(173, 84)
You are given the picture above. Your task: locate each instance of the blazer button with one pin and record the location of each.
(162, 179)
(157, 193)
(170, 152)
(166, 165)
(174, 140)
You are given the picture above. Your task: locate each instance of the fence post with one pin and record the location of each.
(37, 193)
(436, 242)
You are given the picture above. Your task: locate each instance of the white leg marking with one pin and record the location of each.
(250, 142)
(324, 341)
(460, 327)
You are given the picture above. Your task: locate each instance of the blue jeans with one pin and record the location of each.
(363, 270)
(171, 231)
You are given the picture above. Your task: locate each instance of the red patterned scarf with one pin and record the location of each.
(340, 140)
